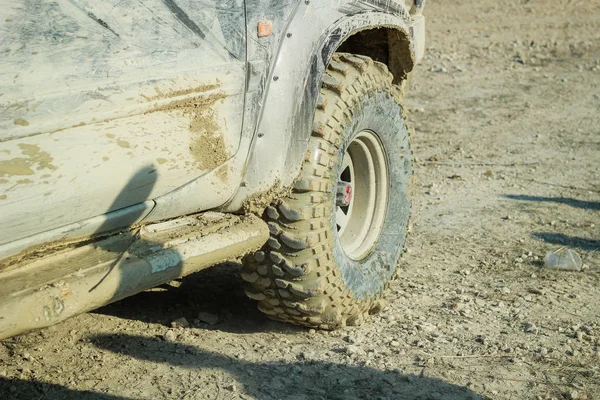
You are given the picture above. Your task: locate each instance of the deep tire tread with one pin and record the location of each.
(294, 276)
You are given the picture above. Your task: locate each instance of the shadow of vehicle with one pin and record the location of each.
(217, 290)
(586, 205)
(569, 241)
(304, 379)
(17, 389)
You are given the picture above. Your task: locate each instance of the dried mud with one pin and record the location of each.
(207, 144)
(505, 107)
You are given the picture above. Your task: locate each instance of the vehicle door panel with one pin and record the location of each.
(92, 93)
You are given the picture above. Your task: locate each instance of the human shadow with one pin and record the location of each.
(217, 290)
(569, 241)
(118, 235)
(303, 379)
(18, 389)
(586, 205)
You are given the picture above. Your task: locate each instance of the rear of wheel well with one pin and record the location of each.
(390, 46)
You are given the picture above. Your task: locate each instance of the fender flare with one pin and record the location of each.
(292, 86)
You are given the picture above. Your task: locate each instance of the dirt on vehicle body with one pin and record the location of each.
(128, 129)
(506, 146)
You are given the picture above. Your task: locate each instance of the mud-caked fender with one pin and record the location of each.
(292, 79)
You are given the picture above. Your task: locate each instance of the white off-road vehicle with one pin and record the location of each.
(141, 141)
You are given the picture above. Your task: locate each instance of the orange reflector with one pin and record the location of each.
(265, 28)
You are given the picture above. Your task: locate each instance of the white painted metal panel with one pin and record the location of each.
(104, 105)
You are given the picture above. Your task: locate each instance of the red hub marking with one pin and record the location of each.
(347, 194)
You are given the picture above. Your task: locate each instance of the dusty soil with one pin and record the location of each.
(506, 109)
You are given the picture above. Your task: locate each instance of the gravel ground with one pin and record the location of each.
(506, 110)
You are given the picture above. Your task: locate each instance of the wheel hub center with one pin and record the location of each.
(344, 194)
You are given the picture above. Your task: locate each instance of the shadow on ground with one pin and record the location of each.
(304, 379)
(586, 205)
(568, 241)
(217, 290)
(17, 389)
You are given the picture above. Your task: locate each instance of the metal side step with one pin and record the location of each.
(40, 292)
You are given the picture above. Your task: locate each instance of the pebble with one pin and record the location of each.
(530, 327)
(439, 68)
(231, 387)
(208, 318)
(351, 350)
(504, 290)
(170, 336)
(180, 323)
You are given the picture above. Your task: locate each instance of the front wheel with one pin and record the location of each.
(336, 240)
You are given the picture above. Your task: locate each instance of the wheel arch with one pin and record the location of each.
(293, 83)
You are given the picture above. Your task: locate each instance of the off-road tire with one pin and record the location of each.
(302, 275)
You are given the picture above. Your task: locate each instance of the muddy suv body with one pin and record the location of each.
(123, 123)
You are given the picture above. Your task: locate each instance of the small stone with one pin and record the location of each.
(170, 336)
(180, 323)
(231, 387)
(394, 343)
(504, 290)
(312, 331)
(530, 327)
(589, 373)
(350, 339)
(208, 318)
(439, 68)
(587, 329)
(351, 350)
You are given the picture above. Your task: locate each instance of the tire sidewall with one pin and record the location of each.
(380, 113)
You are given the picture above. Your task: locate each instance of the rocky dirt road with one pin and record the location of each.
(507, 113)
